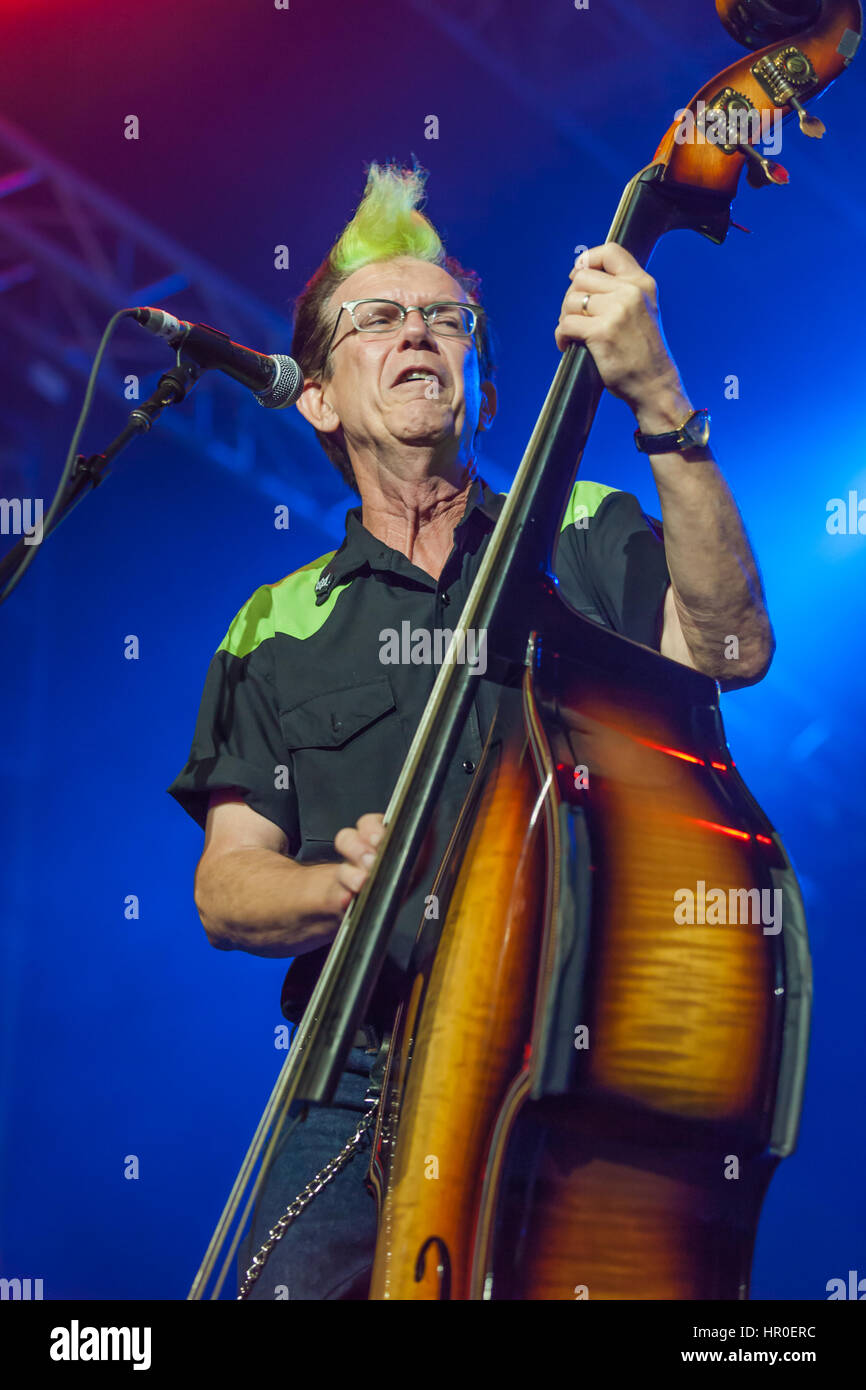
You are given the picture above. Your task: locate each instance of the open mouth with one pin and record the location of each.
(417, 376)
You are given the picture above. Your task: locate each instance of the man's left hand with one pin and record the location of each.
(620, 327)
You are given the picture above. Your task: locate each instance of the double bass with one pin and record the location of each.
(586, 1093)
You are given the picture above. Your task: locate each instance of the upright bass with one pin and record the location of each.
(587, 1089)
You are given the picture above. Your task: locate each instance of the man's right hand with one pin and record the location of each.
(357, 848)
(251, 896)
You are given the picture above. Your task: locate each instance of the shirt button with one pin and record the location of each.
(445, 600)
(468, 765)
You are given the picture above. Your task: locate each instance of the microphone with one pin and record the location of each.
(276, 381)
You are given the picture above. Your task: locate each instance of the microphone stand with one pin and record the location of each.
(89, 471)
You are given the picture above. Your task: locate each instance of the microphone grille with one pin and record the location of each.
(286, 386)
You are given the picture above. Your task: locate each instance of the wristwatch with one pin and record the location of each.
(692, 433)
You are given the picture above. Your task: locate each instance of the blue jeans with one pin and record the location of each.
(327, 1253)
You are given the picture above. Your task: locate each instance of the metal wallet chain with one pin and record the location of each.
(303, 1200)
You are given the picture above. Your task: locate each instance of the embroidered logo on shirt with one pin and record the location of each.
(324, 583)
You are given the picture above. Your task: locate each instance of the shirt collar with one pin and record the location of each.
(360, 549)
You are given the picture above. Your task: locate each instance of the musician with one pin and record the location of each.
(309, 706)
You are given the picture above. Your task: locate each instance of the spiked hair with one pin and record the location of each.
(386, 224)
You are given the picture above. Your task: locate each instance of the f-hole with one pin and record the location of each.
(443, 1268)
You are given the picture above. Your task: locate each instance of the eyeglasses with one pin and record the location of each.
(385, 316)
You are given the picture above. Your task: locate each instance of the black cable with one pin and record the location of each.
(69, 466)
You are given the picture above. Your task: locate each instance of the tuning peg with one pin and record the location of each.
(810, 125)
(786, 73)
(762, 171)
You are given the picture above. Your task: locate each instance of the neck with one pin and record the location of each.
(416, 517)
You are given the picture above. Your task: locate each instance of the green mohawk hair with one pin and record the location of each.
(387, 222)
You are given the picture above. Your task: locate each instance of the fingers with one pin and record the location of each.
(574, 327)
(600, 302)
(610, 257)
(372, 827)
(606, 267)
(357, 845)
(618, 297)
(351, 880)
(591, 281)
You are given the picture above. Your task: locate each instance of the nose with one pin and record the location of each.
(415, 327)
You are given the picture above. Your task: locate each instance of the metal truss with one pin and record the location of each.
(71, 256)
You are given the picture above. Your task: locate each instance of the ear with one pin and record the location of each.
(315, 409)
(487, 413)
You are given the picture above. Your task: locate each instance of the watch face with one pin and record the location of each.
(697, 429)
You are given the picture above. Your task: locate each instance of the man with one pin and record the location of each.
(305, 718)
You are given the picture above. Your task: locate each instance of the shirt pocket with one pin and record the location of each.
(346, 748)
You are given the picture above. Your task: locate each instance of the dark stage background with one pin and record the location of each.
(125, 1036)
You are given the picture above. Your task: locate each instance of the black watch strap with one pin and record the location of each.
(693, 433)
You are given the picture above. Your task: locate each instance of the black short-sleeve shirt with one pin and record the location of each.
(313, 697)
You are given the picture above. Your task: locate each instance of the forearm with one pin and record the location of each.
(257, 900)
(714, 575)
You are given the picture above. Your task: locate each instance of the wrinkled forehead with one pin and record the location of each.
(405, 280)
